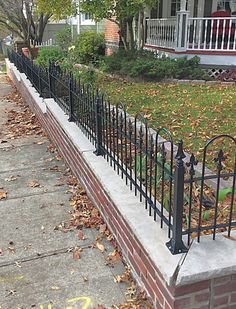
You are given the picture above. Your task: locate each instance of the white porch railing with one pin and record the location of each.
(50, 42)
(161, 32)
(213, 34)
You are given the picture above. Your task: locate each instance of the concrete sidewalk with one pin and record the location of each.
(37, 269)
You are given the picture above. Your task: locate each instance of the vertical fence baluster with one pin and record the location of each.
(130, 129)
(99, 149)
(71, 107)
(220, 158)
(113, 136)
(117, 140)
(163, 160)
(146, 165)
(151, 174)
(191, 164)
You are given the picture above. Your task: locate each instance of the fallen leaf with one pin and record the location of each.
(12, 249)
(85, 279)
(100, 246)
(77, 254)
(18, 264)
(3, 195)
(11, 178)
(55, 288)
(81, 235)
(34, 184)
(102, 228)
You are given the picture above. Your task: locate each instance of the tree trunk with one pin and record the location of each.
(131, 33)
(123, 33)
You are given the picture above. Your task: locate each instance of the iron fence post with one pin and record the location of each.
(98, 109)
(50, 79)
(71, 108)
(39, 81)
(176, 245)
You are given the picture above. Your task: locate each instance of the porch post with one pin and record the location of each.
(182, 27)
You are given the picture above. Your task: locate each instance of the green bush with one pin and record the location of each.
(145, 65)
(64, 38)
(89, 47)
(49, 54)
(153, 69)
(188, 69)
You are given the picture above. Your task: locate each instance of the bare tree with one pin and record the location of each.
(22, 18)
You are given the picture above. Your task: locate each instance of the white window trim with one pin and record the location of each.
(87, 22)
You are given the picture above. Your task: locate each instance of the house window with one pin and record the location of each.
(87, 16)
(175, 7)
(87, 19)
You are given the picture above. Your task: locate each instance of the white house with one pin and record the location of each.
(206, 28)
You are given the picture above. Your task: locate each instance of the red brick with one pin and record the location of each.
(165, 290)
(183, 303)
(203, 297)
(122, 244)
(150, 291)
(167, 306)
(156, 288)
(219, 301)
(133, 264)
(142, 267)
(149, 264)
(222, 289)
(233, 298)
(128, 241)
(190, 288)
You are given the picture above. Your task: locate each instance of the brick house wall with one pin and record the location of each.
(112, 37)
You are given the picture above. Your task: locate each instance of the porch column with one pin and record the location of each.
(182, 27)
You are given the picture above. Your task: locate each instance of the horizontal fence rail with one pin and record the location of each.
(176, 190)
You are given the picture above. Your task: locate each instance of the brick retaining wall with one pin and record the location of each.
(219, 293)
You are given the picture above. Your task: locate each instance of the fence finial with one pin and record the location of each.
(180, 152)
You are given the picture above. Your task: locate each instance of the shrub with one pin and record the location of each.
(89, 47)
(188, 69)
(152, 69)
(64, 38)
(49, 54)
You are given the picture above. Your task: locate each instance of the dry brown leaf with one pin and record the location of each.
(12, 249)
(77, 254)
(3, 195)
(55, 288)
(81, 235)
(102, 228)
(34, 184)
(100, 246)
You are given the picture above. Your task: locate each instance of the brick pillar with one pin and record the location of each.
(112, 37)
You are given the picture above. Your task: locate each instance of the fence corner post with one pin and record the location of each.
(98, 109)
(71, 107)
(176, 245)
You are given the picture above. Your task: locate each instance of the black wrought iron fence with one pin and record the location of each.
(180, 193)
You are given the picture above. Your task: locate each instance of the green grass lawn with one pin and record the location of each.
(193, 113)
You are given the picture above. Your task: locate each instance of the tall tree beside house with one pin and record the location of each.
(59, 9)
(121, 12)
(23, 19)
